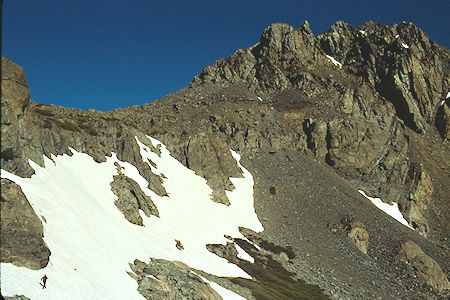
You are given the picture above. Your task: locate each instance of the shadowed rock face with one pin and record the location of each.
(443, 120)
(21, 230)
(310, 131)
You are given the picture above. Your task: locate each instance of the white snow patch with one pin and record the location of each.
(405, 46)
(251, 243)
(334, 61)
(92, 243)
(244, 255)
(153, 277)
(391, 210)
(446, 97)
(223, 292)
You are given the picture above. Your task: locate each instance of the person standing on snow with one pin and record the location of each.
(44, 280)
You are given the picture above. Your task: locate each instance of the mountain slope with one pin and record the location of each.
(314, 120)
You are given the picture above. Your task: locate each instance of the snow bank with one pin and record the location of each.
(334, 61)
(391, 210)
(244, 255)
(91, 241)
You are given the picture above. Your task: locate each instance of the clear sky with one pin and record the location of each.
(105, 54)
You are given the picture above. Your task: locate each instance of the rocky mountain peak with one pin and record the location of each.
(269, 65)
(399, 62)
(284, 39)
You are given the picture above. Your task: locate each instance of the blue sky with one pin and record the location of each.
(108, 54)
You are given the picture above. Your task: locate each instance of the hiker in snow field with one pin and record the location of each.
(44, 280)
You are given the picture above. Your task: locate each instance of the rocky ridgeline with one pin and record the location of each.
(399, 62)
(367, 103)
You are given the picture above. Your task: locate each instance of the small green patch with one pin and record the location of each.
(65, 124)
(44, 112)
(272, 281)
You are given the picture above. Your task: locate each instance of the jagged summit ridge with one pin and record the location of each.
(398, 61)
(258, 65)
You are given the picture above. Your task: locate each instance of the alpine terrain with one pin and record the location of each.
(303, 167)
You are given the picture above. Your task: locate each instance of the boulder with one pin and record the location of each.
(357, 233)
(423, 266)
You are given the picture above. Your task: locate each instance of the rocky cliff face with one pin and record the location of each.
(358, 113)
(21, 235)
(315, 118)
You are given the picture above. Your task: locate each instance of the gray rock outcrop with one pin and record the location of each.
(21, 297)
(161, 279)
(21, 230)
(131, 199)
(15, 92)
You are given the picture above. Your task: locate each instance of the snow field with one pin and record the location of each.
(91, 241)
